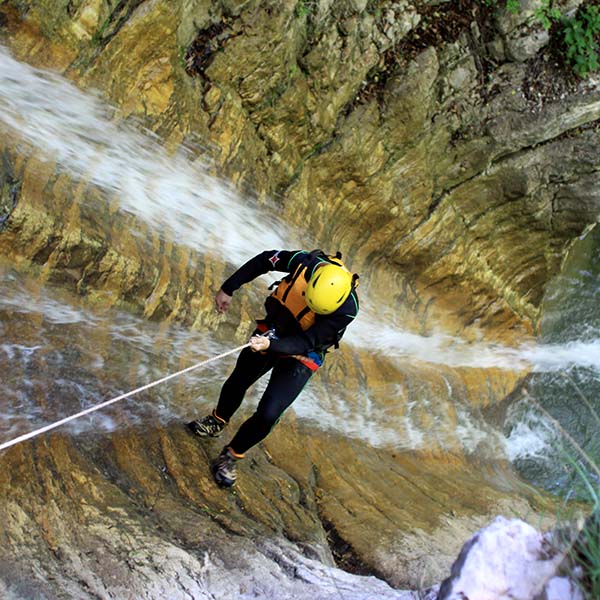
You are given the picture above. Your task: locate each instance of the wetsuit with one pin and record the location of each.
(294, 355)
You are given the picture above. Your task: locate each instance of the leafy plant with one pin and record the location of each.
(580, 35)
(304, 8)
(513, 6)
(547, 14)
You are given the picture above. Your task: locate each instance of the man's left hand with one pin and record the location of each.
(259, 343)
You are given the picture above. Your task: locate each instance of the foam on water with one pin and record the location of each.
(531, 435)
(530, 439)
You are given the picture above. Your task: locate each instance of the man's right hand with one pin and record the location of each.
(222, 301)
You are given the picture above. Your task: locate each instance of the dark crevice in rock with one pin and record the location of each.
(208, 42)
(478, 37)
(41, 257)
(432, 207)
(510, 155)
(72, 8)
(577, 131)
(10, 188)
(117, 18)
(344, 555)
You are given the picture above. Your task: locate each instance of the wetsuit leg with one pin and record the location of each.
(287, 380)
(249, 368)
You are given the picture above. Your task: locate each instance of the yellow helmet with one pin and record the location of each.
(328, 288)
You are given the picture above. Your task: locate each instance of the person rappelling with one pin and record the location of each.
(306, 314)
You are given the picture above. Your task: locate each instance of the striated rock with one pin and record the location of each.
(454, 191)
(93, 542)
(292, 119)
(9, 192)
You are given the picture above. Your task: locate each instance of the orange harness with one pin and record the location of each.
(290, 293)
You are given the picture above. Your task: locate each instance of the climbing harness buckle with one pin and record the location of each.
(270, 334)
(265, 331)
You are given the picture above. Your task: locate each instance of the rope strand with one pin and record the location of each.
(87, 411)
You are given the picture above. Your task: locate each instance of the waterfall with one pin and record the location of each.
(172, 193)
(570, 392)
(49, 337)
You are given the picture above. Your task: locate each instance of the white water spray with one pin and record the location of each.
(171, 193)
(440, 348)
(176, 194)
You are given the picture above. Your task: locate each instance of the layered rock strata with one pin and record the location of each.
(346, 113)
(472, 187)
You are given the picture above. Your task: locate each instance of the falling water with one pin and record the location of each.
(174, 194)
(569, 394)
(49, 353)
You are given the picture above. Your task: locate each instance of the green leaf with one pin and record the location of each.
(569, 37)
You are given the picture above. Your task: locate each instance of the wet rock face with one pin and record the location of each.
(350, 114)
(345, 113)
(9, 192)
(139, 514)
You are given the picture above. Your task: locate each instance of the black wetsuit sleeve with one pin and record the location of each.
(269, 260)
(326, 331)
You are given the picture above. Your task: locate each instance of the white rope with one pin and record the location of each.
(41, 430)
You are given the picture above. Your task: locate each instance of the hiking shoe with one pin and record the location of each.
(209, 426)
(223, 468)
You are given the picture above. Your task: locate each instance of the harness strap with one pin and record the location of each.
(307, 361)
(262, 326)
(312, 361)
(303, 312)
(295, 276)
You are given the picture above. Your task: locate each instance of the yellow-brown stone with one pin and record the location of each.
(442, 201)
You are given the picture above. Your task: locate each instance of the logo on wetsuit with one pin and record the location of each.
(274, 259)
